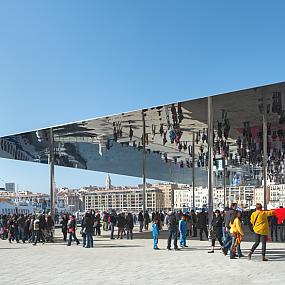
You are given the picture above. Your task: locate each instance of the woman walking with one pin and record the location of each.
(129, 225)
(217, 232)
(237, 235)
(72, 230)
(259, 221)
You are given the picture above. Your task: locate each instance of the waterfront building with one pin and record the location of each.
(129, 200)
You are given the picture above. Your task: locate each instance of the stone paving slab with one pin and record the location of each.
(135, 262)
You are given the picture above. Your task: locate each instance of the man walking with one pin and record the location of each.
(140, 219)
(172, 223)
(259, 221)
(202, 223)
(113, 221)
(229, 216)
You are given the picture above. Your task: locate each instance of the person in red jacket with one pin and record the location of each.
(71, 226)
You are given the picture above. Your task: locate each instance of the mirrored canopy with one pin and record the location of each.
(174, 132)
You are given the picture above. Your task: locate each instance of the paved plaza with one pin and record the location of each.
(135, 262)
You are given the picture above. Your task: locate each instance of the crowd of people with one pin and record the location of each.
(226, 228)
(27, 228)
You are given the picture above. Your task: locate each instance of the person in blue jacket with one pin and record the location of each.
(155, 233)
(183, 231)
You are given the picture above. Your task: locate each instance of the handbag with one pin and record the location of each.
(250, 226)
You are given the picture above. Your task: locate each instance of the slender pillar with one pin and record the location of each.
(144, 165)
(210, 159)
(264, 126)
(51, 163)
(225, 184)
(193, 171)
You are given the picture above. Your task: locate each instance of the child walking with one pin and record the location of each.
(155, 233)
(183, 231)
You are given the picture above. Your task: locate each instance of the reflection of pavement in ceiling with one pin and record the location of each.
(127, 160)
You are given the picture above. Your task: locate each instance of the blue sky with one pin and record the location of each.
(69, 60)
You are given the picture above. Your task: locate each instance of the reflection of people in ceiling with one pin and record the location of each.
(174, 114)
(180, 113)
(131, 133)
(70, 150)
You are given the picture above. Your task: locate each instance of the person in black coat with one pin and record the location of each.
(202, 223)
(146, 220)
(64, 222)
(217, 230)
(129, 225)
(87, 229)
(121, 225)
(141, 219)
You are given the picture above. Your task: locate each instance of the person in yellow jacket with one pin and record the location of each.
(260, 225)
(236, 234)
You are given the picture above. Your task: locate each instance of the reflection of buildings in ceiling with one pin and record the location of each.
(170, 130)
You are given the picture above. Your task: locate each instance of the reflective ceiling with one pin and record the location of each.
(114, 144)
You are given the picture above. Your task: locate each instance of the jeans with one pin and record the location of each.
(257, 241)
(172, 233)
(120, 233)
(129, 233)
(194, 230)
(112, 228)
(64, 232)
(273, 230)
(238, 248)
(228, 239)
(205, 230)
(146, 225)
(141, 225)
(21, 234)
(89, 240)
(224, 234)
(72, 235)
(84, 239)
(282, 232)
(36, 238)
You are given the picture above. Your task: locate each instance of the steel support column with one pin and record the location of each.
(225, 184)
(144, 164)
(193, 171)
(210, 159)
(264, 127)
(51, 163)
